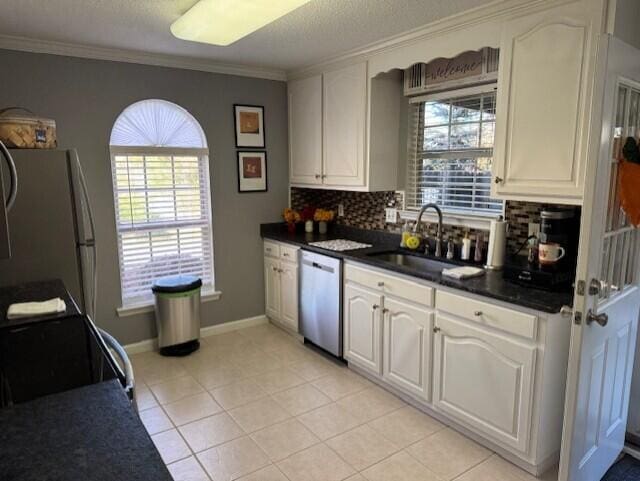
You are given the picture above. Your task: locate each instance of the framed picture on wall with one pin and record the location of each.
(252, 171)
(249, 124)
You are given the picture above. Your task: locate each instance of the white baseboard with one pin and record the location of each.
(152, 344)
(631, 450)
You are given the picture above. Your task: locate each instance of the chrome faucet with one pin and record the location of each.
(438, 252)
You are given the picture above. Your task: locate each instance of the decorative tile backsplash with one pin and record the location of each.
(366, 211)
(362, 209)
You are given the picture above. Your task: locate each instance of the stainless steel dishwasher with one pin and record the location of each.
(321, 301)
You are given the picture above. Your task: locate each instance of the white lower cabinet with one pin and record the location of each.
(493, 370)
(484, 380)
(272, 287)
(281, 284)
(407, 346)
(289, 294)
(362, 327)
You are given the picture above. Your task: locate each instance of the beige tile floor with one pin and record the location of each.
(257, 405)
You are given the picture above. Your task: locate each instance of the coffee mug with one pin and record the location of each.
(550, 253)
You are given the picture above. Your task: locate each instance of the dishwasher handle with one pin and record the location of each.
(316, 265)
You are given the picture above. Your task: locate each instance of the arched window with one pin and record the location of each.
(160, 168)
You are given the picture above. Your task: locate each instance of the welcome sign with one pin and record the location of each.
(468, 64)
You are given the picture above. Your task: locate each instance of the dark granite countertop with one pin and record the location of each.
(35, 292)
(89, 434)
(490, 285)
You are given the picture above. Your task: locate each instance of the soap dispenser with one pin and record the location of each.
(465, 255)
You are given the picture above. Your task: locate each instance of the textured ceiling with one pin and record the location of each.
(314, 32)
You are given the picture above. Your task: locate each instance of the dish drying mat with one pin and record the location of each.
(340, 245)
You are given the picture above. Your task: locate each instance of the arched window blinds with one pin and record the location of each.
(159, 162)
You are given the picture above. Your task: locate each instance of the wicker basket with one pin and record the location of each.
(20, 128)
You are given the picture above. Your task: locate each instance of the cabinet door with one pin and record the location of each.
(362, 327)
(289, 295)
(408, 331)
(305, 130)
(344, 123)
(485, 381)
(542, 113)
(272, 287)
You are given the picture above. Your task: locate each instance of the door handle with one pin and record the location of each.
(375, 306)
(498, 180)
(601, 319)
(436, 329)
(594, 287)
(385, 310)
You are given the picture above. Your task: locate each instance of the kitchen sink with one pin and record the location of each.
(413, 261)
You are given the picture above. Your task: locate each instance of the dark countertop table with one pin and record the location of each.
(89, 434)
(490, 285)
(35, 292)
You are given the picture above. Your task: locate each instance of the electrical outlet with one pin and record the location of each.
(340, 210)
(391, 215)
(534, 229)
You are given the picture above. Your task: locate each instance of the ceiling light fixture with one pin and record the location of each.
(222, 22)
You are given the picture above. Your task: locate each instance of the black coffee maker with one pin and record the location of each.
(555, 266)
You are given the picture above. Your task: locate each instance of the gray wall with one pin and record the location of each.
(627, 21)
(85, 97)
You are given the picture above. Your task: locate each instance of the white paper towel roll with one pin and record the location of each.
(497, 244)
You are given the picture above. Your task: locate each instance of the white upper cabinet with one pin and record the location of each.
(542, 116)
(305, 130)
(344, 120)
(344, 130)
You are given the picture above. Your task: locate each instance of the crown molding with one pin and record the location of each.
(492, 11)
(24, 44)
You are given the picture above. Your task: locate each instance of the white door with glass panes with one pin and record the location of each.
(344, 124)
(543, 104)
(607, 299)
(451, 151)
(305, 130)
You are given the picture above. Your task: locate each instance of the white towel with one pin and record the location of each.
(465, 272)
(32, 309)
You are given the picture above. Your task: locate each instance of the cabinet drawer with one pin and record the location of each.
(390, 284)
(508, 320)
(289, 253)
(271, 249)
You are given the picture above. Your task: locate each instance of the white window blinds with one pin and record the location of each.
(450, 153)
(163, 212)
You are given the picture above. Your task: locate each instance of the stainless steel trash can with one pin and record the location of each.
(177, 306)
